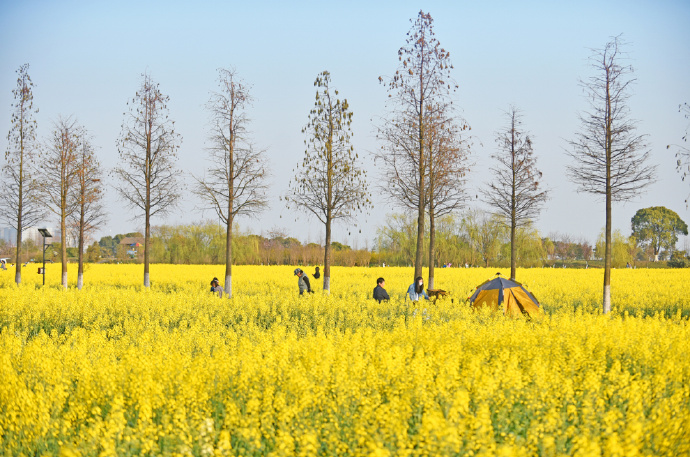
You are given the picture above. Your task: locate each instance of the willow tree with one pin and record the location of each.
(88, 198)
(235, 183)
(515, 193)
(59, 177)
(609, 157)
(421, 85)
(148, 178)
(19, 203)
(328, 183)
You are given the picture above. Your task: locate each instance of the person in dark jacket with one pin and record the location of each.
(317, 274)
(380, 293)
(215, 287)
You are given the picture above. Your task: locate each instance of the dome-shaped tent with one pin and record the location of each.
(505, 295)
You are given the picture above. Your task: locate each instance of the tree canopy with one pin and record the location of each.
(658, 227)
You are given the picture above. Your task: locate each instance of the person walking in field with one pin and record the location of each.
(380, 293)
(416, 290)
(303, 282)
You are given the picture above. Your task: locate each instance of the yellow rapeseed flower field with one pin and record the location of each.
(118, 370)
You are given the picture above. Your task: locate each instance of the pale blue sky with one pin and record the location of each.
(87, 57)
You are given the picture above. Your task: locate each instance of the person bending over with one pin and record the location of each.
(303, 282)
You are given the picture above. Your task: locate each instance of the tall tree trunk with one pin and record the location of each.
(80, 272)
(147, 205)
(432, 230)
(327, 257)
(329, 211)
(147, 237)
(432, 245)
(18, 263)
(231, 201)
(63, 240)
(20, 208)
(513, 203)
(607, 255)
(513, 250)
(228, 253)
(420, 211)
(420, 205)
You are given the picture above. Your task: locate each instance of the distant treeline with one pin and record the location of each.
(473, 239)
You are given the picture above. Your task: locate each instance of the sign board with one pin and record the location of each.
(40, 271)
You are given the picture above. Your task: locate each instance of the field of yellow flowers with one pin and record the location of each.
(117, 370)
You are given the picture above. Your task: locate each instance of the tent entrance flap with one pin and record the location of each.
(525, 301)
(488, 298)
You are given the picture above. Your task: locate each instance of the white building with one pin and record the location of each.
(31, 233)
(8, 234)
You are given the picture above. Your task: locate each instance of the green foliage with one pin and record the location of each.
(109, 244)
(620, 249)
(340, 246)
(658, 227)
(679, 259)
(93, 253)
(475, 239)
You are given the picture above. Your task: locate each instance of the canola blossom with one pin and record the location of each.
(119, 370)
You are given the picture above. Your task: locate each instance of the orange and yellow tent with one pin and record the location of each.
(504, 295)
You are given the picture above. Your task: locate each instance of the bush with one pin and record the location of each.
(678, 260)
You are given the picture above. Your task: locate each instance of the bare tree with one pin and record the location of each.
(683, 153)
(59, 177)
(448, 166)
(609, 157)
(420, 85)
(328, 183)
(147, 146)
(19, 204)
(515, 192)
(88, 190)
(399, 154)
(236, 180)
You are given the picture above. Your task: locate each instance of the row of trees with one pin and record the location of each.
(204, 243)
(425, 151)
(60, 175)
(478, 238)
(424, 156)
(609, 157)
(472, 238)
